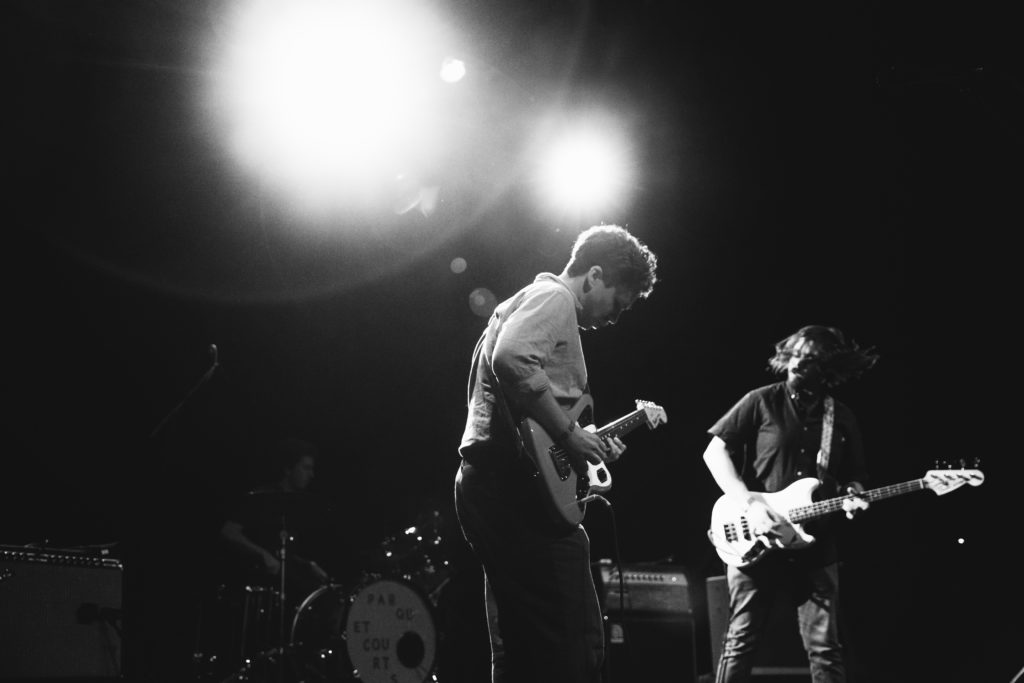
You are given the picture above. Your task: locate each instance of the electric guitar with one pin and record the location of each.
(738, 546)
(565, 491)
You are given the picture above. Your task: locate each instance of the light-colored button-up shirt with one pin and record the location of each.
(532, 343)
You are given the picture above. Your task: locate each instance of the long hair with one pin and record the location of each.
(841, 360)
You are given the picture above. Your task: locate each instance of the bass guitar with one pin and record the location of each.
(565, 491)
(738, 546)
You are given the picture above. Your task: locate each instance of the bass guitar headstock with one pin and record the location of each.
(944, 481)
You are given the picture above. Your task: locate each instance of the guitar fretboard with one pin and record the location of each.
(825, 507)
(624, 425)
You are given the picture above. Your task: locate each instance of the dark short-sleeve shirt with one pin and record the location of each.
(774, 442)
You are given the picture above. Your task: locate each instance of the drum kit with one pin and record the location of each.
(382, 630)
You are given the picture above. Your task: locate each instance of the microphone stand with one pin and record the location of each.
(158, 430)
(202, 380)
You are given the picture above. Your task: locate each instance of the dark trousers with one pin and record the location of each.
(542, 607)
(812, 590)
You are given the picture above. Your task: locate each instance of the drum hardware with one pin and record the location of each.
(276, 653)
(416, 555)
(257, 640)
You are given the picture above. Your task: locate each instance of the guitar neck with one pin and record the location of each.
(624, 425)
(825, 507)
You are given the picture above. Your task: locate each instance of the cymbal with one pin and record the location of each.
(277, 493)
(290, 500)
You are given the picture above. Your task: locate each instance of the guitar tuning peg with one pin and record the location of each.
(941, 464)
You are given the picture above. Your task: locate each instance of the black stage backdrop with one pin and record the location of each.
(855, 165)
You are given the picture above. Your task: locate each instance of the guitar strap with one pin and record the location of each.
(827, 421)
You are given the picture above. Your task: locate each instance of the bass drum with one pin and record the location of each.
(390, 635)
(317, 636)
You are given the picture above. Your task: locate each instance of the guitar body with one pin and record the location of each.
(730, 530)
(738, 546)
(565, 491)
(561, 487)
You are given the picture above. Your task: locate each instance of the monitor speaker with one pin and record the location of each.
(61, 615)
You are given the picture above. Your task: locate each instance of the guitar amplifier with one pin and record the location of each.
(649, 623)
(61, 614)
(649, 589)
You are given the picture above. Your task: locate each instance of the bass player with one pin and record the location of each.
(774, 436)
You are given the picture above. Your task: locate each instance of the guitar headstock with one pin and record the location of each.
(654, 413)
(944, 481)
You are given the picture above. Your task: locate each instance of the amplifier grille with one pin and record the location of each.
(61, 615)
(648, 588)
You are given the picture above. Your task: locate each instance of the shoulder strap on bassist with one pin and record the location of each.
(827, 421)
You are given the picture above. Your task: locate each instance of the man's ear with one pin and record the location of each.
(593, 273)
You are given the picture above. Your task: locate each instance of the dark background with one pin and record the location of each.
(853, 165)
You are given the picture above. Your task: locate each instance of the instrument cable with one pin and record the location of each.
(616, 569)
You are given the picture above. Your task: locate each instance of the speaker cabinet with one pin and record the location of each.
(781, 653)
(649, 625)
(61, 615)
(650, 648)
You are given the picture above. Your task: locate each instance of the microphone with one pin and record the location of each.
(213, 353)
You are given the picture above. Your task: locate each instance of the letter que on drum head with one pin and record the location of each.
(390, 633)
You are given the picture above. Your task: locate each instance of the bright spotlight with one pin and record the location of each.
(330, 97)
(586, 170)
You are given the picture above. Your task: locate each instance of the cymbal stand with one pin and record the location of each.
(276, 654)
(283, 598)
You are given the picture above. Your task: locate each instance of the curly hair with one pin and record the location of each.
(623, 258)
(841, 360)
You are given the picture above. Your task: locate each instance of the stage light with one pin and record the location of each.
(586, 170)
(330, 99)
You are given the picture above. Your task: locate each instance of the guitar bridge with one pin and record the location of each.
(560, 459)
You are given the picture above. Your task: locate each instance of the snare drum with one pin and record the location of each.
(390, 634)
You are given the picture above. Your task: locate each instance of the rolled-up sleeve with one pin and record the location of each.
(539, 343)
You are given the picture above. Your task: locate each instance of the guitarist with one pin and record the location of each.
(769, 439)
(543, 613)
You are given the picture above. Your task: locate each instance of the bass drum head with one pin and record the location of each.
(317, 638)
(390, 633)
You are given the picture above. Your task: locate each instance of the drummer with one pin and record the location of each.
(252, 528)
